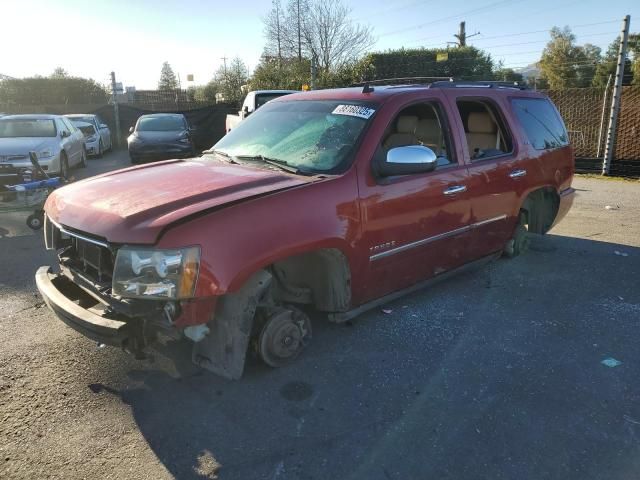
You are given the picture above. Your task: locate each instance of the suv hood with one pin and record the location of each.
(134, 205)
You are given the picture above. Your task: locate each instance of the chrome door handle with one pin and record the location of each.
(455, 189)
(518, 173)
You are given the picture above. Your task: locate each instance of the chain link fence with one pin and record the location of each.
(582, 109)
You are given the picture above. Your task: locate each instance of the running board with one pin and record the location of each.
(341, 317)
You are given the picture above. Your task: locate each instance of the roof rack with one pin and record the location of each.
(401, 80)
(478, 84)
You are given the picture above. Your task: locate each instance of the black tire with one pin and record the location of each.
(83, 159)
(519, 244)
(35, 221)
(100, 149)
(64, 166)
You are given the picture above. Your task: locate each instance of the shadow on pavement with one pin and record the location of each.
(494, 374)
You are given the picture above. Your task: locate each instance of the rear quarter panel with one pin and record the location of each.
(545, 168)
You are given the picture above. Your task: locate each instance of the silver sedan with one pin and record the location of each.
(58, 144)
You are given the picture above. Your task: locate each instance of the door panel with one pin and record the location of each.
(413, 230)
(495, 183)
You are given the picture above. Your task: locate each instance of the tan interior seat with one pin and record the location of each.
(404, 134)
(482, 132)
(429, 134)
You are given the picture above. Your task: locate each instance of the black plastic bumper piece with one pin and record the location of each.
(61, 295)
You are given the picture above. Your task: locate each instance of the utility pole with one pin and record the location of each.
(617, 95)
(116, 112)
(462, 35)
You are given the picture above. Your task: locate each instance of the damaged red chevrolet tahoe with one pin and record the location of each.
(336, 200)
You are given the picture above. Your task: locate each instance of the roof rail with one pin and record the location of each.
(401, 80)
(478, 84)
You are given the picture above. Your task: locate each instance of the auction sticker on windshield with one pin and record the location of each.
(353, 111)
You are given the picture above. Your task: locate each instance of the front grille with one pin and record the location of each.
(81, 252)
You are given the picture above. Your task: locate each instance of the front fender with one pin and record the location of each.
(241, 239)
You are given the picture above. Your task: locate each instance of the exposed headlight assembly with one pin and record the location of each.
(152, 273)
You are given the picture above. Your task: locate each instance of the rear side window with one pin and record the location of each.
(541, 123)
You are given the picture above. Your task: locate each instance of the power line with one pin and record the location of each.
(450, 17)
(520, 33)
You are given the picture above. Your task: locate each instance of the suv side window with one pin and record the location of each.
(541, 122)
(421, 124)
(484, 129)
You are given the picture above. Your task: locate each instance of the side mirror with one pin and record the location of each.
(64, 134)
(103, 125)
(130, 129)
(407, 160)
(245, 110)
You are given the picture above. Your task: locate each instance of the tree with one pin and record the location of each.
(560, 59)
(51, 91)
(59, 72)
(590, 56)
(168, 80)
(316, 29)
(609, 61)
(330, 36)
(231, 79)
(274, 31)
(288, 73)
(467, 63)
(507, 75)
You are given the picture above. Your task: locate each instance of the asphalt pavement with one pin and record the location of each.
(495, 374)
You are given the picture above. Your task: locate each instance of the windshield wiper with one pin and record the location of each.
(228, 157)
(276, 162)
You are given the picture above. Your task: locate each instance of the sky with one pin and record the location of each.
(134, 37)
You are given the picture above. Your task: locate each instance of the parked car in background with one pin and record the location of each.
(160, 136)
(252, 102)
(58, 144)
(337, 200)
(91, 137)
(104, 142)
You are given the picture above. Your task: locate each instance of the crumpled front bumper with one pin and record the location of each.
(61, 295)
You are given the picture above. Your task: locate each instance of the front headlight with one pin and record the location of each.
(184, 140)
(45, 154)
(153, 273)
(92, 138)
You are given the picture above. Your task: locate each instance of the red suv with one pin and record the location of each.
(336, 200)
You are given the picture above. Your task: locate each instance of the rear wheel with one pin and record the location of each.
(519, 243)
(64, 166)
(83, 158)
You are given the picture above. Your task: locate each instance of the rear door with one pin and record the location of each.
(415, 226)
(496, 176)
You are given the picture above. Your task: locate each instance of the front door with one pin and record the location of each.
(415, 226)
